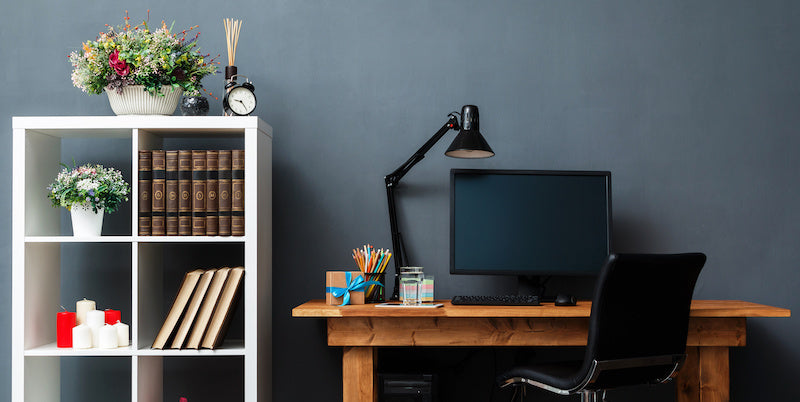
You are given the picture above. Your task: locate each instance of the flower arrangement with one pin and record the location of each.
(89, 185)
(138, 56)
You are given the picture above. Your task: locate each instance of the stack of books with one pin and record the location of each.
(200, 315)
(191, 193)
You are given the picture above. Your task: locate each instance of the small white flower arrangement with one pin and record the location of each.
(92, 186)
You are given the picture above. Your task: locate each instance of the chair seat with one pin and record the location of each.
(563, 375)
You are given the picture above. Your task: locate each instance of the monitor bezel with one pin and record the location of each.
(454, 172)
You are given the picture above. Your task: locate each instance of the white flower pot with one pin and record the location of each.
(85, 222)
(135, 100)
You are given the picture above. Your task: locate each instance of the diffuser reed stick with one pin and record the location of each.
(232, 28)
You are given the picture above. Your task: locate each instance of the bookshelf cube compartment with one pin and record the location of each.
(206, 378)
(60, 274)
(176, 140)
(161, 268)
(43, 157)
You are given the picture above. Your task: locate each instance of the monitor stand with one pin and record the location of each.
(531, 285)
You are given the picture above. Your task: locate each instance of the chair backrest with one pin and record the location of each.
(641, 309)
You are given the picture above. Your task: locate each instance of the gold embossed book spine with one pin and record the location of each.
(212, 193)
(158, 192)
(172, 193)
(185, 193)
(145, 184)
(198, 193)
(224, 193)
(237, 192)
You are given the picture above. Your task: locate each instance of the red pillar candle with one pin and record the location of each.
(112, 316)
(65, 321)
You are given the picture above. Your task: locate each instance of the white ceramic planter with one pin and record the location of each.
(135, 100)
(85, 222)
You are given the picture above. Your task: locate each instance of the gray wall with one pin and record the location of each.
(693, 106)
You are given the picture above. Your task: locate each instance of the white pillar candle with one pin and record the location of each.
(95, 319)
(123, 337)
(81, 307)
(108, 337)
(81, 337)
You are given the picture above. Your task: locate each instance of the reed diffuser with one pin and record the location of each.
(232, 29)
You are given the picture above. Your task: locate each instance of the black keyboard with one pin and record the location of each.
(509, 300)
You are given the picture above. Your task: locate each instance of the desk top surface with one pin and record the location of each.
(700, 308)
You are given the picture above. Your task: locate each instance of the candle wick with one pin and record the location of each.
(63, 308)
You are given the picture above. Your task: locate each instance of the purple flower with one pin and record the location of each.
(91, 192)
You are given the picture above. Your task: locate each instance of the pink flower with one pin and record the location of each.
(119, 65)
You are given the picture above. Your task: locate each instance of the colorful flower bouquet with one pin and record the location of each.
(138, 56)
(92, 186)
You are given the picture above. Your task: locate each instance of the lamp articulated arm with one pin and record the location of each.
(392, 179)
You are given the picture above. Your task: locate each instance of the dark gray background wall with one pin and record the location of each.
(693, 106)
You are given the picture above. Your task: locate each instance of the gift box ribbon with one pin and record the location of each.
(353, 284)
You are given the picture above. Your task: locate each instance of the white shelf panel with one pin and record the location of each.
(52, 350)
(78, 239)
(190, 239)
(139, 239)
(228, 348)
(121, 126)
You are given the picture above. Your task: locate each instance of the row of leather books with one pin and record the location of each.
(202, 309)
(191, 193)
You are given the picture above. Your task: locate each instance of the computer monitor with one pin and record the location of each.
(529, 223)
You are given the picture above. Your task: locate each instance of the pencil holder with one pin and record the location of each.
(375, 293)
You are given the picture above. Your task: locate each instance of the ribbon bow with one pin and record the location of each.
(353, 284)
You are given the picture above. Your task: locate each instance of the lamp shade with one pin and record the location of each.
(469, 143)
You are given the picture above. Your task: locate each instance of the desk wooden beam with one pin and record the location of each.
(503, 331)
(421, 331)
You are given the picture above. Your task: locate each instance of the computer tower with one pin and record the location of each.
(406, 387)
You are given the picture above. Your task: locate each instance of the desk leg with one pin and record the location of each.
(359, 379)
(705, 377)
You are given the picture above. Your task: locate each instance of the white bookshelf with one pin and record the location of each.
(36, 253)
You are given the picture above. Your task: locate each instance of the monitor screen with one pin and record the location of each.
(529, 222)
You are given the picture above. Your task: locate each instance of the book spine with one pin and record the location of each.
(224, 193)
(198, 193)
(159, 227)
(237, 192)
(212, 187)
(145, 183)
(185, 193)
(172, 193)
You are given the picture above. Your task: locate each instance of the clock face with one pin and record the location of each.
(241, 101)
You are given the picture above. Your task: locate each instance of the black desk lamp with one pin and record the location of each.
(469, 143)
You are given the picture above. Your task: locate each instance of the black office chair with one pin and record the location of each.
(637, 328)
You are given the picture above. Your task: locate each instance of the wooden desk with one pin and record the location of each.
(714, 326)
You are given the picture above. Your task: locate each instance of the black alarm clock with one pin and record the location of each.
(239, 100)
